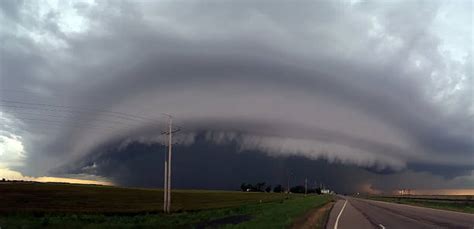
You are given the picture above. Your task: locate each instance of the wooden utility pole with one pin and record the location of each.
(167, 174)
(170, 118)
(305, 186)
(288, 186)
(165, 186)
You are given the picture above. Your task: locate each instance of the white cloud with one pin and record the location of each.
(11, 151)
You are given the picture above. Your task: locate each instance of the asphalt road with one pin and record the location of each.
(351, 213)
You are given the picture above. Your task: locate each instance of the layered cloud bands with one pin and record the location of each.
(377, 85)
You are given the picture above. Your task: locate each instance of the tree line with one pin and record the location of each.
(263, 187)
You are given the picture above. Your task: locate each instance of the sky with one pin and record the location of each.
(368, 96)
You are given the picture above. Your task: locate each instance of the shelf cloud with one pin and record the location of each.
(370, 85)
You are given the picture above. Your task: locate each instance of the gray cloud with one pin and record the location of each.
(363, 84)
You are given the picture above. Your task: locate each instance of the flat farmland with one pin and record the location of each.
(52, 197)
(34, 205)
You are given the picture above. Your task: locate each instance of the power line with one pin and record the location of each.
(80, 120)
(59, 110)
(75, 109)
(68, 116)
(54, 127)
(69, 122)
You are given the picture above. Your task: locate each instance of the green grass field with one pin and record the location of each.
(32, 205)
(49, 197)
(452, 203)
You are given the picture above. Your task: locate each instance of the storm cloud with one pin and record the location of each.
(366, 86)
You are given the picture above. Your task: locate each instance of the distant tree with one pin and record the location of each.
(318, 191)
(259, 187)
(268, 189)
(243, 187)
(3, 179)
(248, 187)
(278, 188)
(469, 200)
(297, 189)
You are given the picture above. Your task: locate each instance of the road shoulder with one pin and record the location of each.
(350, 217)
(314, 218)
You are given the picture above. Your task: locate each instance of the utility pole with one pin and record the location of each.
(167, 173)
(165, 188)
(288, 186)
(170, 118)
(305, 186)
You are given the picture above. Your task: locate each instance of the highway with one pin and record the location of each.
(351, 213)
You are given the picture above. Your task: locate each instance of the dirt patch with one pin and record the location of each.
(316, 218)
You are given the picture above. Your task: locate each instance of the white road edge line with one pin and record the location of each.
(381, 226)
(339, 216)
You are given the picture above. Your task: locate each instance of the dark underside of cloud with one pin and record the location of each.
(207, 165)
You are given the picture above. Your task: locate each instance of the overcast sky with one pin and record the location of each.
(381, 87)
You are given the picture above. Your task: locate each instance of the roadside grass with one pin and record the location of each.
(452, 205)
(279, 214)
(322, 222)
(47, 205)
(56, 220)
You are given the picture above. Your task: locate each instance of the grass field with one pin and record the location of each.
(453, 203)
(31, 205)
(49, 197)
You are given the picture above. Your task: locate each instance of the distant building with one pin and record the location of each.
(403, 192)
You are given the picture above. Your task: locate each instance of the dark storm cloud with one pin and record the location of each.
(318, 79)
(209, 166)
(197, 166)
